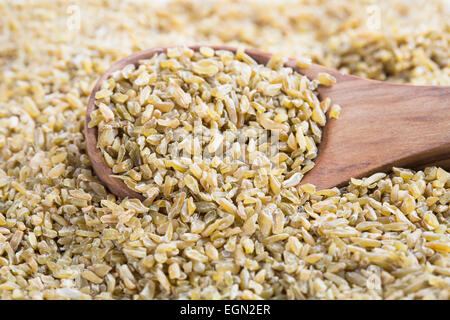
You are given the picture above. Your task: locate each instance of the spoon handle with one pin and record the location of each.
(381, 125)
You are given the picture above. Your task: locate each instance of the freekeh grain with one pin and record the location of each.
(63, 236)
(206, 127)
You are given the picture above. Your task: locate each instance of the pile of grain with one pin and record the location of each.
(62, 235)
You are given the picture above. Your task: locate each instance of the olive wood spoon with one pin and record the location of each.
(381, 125)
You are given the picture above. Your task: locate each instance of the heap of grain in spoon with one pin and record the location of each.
(195, 131)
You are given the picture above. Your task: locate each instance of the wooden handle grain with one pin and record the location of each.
(381, 125)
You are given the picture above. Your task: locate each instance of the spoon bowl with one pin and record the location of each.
(382, 125)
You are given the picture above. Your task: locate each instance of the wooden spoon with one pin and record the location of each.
(381, 125)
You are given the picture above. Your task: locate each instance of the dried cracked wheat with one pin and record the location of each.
(63, 236)
(209, 125)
